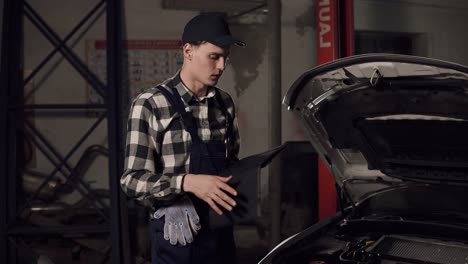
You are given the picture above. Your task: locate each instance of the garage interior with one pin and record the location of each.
(70, 69)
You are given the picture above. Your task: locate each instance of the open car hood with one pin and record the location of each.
(386, 117)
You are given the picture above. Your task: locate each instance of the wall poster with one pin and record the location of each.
(145, 63)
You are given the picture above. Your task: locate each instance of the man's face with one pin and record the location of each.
(208, 62)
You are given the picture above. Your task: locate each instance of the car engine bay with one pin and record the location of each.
(376, 248)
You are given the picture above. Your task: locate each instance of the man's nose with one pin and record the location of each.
(221, 64)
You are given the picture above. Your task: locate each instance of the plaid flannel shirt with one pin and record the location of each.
(157, 154)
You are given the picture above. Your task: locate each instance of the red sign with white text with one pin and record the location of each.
(144, 44)
(334, 39)
(327, 50)
(327, 31)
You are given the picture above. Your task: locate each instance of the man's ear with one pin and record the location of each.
(187, 50)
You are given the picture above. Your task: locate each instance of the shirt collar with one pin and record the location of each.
(187, 96)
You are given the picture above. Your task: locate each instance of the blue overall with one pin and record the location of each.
(210, 245)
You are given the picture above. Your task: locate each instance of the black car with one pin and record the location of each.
(393, 130)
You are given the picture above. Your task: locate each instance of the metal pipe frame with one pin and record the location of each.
(60, 231)
(67, 53)
(61, 106)
(119, 234)
(3, 148)
(11, 78)
(62, 43)
(88, 195)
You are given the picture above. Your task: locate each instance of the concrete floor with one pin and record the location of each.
(250, 248)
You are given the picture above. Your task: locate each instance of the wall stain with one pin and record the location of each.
(305, 20)
(245, 61)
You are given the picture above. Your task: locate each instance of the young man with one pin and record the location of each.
(181, 135)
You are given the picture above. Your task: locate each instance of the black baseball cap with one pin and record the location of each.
(211, 28)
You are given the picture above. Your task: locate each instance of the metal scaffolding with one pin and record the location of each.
(112, 217)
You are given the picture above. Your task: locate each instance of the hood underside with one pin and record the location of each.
(381, 115)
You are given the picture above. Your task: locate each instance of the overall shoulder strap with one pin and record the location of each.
(223, 108)
(187, 118)
(175, 102)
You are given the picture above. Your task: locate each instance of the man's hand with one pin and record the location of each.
(211, 189)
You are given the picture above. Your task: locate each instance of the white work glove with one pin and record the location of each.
(181, 221)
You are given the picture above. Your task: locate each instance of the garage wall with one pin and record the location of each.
(299, 55)
(246, 79)
(442, 24)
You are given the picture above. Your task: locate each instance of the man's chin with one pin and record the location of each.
(212, 82)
